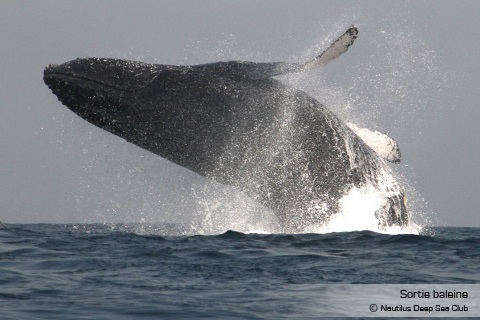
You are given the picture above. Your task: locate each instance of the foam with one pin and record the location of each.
(359, 209)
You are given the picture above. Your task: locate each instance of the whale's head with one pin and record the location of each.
(130, 99)
(98, 89)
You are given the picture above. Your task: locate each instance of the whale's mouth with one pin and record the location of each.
(102, 74)
(53, 78)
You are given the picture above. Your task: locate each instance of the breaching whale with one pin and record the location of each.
(234, 123)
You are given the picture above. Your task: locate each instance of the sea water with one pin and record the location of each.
(145, 271)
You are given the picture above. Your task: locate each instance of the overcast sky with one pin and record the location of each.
(413, 73)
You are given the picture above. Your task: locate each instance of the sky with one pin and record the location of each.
(413, 73)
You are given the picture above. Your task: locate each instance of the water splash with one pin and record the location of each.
(357, 213)
(361, 207)
(221, 208)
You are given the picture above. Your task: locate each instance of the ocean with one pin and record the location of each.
(141, 271)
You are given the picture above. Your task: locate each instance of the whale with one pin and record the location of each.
(235, 123)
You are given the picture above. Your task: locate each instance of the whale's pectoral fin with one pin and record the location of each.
(339, 46)
(260, 70)
(335, 50)
(381, 143)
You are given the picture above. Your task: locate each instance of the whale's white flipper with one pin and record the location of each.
(338, 47)
(382, 144)
(260, 70)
